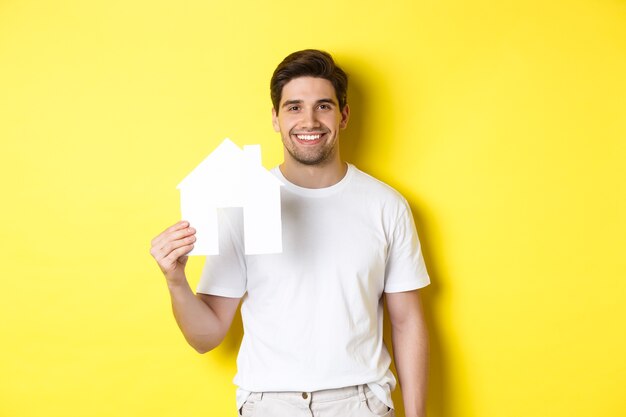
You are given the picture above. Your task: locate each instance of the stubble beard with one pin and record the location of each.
(315, 157)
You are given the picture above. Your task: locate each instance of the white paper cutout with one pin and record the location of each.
(232, 177)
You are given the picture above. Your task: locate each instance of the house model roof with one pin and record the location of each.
(227, 164)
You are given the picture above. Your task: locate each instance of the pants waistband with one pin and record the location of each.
(318, 396)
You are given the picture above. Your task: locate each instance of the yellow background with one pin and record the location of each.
(503, 123)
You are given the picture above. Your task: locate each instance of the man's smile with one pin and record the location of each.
(309, 138)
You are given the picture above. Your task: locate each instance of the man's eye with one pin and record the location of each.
(324, 106)
(293, 108)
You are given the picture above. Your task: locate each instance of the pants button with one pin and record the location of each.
(305, 395)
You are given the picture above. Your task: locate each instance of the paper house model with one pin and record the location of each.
(232, 177)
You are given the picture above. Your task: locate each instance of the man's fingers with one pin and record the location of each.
(172, 233)
(177, 226)
(185, 235)
(177, 253)
(162, 250)
(181, 234)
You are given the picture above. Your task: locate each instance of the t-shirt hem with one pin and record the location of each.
(406, 287)
(220, 291)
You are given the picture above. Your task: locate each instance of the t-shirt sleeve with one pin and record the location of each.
(225, 274)
(405, 269)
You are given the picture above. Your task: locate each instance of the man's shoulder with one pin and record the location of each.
(373, 185)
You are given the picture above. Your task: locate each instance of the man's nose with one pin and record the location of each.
(309, 119)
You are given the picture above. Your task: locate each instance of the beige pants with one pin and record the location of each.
(358, 401)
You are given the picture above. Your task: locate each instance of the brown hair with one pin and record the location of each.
(309, 63)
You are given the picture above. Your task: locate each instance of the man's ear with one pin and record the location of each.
(275, 120)
(345, 115)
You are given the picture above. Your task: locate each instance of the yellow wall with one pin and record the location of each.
(503, 123)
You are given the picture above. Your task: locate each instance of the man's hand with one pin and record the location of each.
(204, 319)
(170, 248)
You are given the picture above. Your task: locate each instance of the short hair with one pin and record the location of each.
(309, 63)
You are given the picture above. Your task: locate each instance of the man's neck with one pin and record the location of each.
(314, 176)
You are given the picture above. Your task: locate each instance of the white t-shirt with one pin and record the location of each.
(313, 314)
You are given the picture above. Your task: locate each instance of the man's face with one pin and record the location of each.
(309, 121)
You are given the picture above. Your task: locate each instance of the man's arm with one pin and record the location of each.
(410, 347)
(203, 319)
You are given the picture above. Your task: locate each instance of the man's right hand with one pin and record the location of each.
(204, 319)
(170, 249)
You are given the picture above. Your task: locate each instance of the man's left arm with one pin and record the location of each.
(410, 347)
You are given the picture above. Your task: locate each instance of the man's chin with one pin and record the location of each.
(310, 160)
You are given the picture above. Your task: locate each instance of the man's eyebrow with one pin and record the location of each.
(327, 100)
(290, 102)
(322, 100)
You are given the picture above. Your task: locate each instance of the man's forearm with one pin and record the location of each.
(410, 346)
(197, 321)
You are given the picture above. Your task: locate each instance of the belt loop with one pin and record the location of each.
(362, 393)
(261, 396)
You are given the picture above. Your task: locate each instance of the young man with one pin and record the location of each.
(313, 315)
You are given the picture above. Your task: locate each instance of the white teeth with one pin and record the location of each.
(308, 137)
